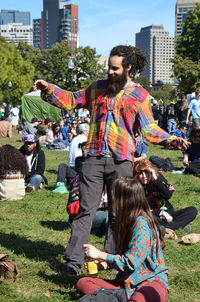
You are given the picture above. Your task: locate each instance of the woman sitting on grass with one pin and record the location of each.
(13, 169)
(158, 192)
(140, 262)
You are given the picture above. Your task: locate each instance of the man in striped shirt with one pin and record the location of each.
(117, 106)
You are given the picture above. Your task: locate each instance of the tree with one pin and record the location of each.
(166, 93)
(16, 70)
(53, 66)
(188, 74)
(188, 44)
(87, 69)
(144, 82)
(31, 54)
(186, 65)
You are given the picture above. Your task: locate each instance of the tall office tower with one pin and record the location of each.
(17, 32)
(50, 17)
(38, 38)
(14, 16)
(60, 22)
(68, 29)
(183, 7)
(160, 50)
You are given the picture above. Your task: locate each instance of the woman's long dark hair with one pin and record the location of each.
(12, 160)
(129, 203)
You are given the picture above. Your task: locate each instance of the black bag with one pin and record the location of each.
(164, 164)
(105, 295)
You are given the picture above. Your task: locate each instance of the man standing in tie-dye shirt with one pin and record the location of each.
(118, 106)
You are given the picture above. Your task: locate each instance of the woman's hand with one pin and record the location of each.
(91, 251)
(153, 173)
(167, 216)
(94, 253)
(101, 266)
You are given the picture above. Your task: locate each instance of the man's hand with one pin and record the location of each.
(41, 85)
(185, 160)
(183, 143)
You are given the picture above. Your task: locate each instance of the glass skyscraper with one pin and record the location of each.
(14, 16)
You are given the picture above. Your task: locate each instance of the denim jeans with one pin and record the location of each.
(60, 140)
(35, 181)
(171, 125)
(100, 223)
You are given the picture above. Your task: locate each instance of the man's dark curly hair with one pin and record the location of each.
(131, 56)
(12, 160)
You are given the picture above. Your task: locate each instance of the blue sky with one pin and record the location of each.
(107, 23)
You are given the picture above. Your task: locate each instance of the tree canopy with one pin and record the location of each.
(15, 70)
(187, 60)
(166, 93)
(188, 43)
(23, 64)
(144, 82)
(52, 65)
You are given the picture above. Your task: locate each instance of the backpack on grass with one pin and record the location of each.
(7, 267)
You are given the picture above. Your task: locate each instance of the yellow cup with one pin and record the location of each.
(92, 268)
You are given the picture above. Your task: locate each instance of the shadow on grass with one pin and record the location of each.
(56, 225)
(38, 250)
(68, 282)
(52, 171)
(51, 188)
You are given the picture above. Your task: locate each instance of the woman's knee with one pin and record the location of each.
(81, 286)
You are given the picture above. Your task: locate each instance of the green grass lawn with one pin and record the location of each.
(34, 232)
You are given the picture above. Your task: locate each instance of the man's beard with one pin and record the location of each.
(116, 84)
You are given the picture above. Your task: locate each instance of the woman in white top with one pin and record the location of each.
(13, 169)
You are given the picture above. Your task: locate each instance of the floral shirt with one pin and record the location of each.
(114, 118)
(140, 264)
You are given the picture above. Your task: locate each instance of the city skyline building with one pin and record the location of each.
(60, 22)
(14, 16)
(182, 9)
(17, 32)
(68, 27)
(159, 47)
(38, 34)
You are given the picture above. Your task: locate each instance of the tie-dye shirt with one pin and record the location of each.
(114, 118)
(141, 263)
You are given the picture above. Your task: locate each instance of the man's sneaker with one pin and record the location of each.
(70, 271)
(60, 188)
(187, 229)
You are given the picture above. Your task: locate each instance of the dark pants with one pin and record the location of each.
(94, 173)
(65, 173)
(180, 218)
